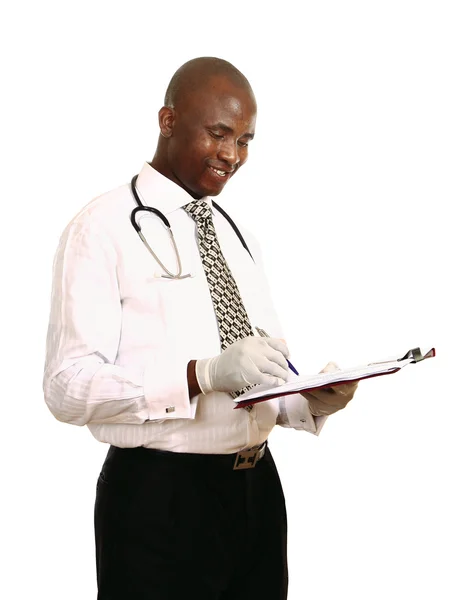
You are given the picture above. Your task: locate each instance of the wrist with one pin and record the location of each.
(192, 381)
(202, 372)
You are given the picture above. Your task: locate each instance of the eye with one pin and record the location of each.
(243, 144)
(216, 136)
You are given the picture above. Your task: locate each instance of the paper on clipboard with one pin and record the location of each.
(306, 383)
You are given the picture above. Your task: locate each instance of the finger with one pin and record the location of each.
(337, 396)
(277, 344)
(269, 380)
(278, 367)
(265, 371)
(347, 390)
(270, 367)
(330, 367)
(276, 357)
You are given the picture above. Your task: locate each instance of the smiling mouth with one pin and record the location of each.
(221, 173)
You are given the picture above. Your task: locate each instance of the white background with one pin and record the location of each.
(353, 186)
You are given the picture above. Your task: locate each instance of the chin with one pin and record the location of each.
(214, 192)
(208, 191)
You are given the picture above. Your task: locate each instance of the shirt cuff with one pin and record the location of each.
(294, 412)
(167, 393)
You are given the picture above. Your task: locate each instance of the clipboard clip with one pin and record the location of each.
(416, 355)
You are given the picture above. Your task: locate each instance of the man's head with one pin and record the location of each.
(206, 124)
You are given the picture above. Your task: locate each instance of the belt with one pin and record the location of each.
(247, 459)
(244, 459)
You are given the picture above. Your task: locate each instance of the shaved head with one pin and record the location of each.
(197, 73)
(206, 125)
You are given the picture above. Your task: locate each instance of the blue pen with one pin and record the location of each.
(262, 333)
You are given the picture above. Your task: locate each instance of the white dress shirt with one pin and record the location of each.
(120, 335)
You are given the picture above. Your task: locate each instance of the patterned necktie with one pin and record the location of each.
(232, 319)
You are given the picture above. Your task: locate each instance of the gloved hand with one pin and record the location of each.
(248, 361)
(326, 401)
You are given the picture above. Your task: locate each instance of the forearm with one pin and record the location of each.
(94, 391)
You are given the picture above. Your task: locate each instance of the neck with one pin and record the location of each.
(160, 164)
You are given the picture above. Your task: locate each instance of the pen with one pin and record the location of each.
(262, 333)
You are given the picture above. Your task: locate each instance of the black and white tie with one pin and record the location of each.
(231, 315)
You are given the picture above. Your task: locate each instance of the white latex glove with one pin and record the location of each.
(251, 360)
(329, 400)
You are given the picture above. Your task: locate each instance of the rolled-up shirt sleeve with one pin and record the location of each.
(82, 382)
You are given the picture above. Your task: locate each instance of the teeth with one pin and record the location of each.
(221, 173)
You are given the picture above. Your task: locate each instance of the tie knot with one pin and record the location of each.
(198, 210)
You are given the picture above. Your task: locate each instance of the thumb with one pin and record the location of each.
(330, 367)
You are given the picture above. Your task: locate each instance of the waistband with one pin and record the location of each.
(245, 459)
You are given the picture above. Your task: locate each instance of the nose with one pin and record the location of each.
(228, 152)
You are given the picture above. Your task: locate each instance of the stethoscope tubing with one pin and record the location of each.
(140, 208)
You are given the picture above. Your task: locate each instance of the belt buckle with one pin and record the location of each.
(246, 459)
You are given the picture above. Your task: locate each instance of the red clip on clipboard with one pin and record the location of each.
(304, 383)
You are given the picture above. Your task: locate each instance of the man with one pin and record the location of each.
(150, 351)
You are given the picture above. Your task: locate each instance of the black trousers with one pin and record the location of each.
(172, 526)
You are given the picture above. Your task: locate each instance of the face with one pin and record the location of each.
(208, 137)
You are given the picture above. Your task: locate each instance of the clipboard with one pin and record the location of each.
(303, 383)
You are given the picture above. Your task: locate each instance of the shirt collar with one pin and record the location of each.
(159, 192)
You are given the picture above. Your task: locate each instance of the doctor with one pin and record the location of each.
(189, 502)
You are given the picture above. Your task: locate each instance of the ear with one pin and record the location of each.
(166, 118)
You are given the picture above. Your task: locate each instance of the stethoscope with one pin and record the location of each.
(140, 208)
